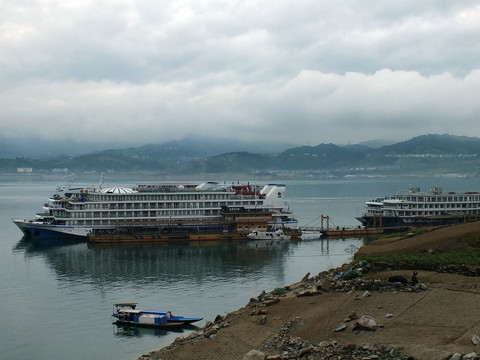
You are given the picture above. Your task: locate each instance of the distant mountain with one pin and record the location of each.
(47, 149)
(188, 147)
(322, 156)
(160, 157)
(423, 154)
(357, 148)
(237, 162)
(375, 144)
(435, 144)
(428, 153)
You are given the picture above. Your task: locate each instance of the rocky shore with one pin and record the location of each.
(359, 311)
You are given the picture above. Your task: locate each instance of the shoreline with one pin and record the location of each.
(324, 315)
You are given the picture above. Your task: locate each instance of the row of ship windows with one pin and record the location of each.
(443, 198)
(433, 206)
(391, 212)
(106, 220)
(167, 197)
(147, 214)
(113, 222)
(169, 205)
(138, 214)
(421, 213)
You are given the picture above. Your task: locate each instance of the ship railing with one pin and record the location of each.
(52, 206)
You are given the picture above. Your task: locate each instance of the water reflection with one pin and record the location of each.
(154, 266)
(120, 331)
(32, 245)
(141, 263)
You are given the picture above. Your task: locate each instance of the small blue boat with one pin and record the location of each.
(128, 314)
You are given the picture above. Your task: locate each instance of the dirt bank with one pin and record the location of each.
(430, 320)
(462, 236)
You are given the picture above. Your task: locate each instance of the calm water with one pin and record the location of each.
(56, 300)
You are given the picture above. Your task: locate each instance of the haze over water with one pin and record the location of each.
(57, 300)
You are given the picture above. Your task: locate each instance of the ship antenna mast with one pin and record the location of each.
(100, 183)
(70, 181)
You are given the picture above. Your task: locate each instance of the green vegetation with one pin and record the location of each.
(416, 231)
(279, 291)
(440, 258)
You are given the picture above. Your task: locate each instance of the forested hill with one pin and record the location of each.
(437, 154)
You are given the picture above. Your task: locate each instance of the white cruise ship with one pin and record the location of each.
(416, 208)
(78, 211)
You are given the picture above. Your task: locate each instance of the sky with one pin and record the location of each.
(302, 72)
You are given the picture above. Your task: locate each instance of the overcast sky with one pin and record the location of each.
(304, 72)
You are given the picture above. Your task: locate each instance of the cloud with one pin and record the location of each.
(321, 107)
(144, 71)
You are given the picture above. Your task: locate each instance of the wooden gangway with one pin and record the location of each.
(326, 230)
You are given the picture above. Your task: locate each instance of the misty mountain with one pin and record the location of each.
(375, 144)
(322, 156)
(237, 162)
(190, 148)
(434, 144)
(47, 149)
(426, 153)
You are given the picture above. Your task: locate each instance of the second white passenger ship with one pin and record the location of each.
(80, 211)
(415, 208)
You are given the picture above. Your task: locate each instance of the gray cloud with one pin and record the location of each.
(148, 71)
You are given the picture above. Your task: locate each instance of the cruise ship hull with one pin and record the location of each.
(412, 221)
(159, 211)
(49, 231)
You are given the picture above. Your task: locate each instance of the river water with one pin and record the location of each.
(56, 299)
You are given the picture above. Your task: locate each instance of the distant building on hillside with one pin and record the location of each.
(24, 170)
(60, 171)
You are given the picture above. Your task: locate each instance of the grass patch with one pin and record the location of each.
(457, 257)
(473, 242)
(416, 231)
(279, 291)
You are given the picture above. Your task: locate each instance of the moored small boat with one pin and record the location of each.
(128, 314)
(268, 235)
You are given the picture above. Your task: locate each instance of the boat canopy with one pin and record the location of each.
(129, 311)
(131, 304)
(117, 190)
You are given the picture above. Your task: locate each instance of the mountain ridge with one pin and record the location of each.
(424, 153)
